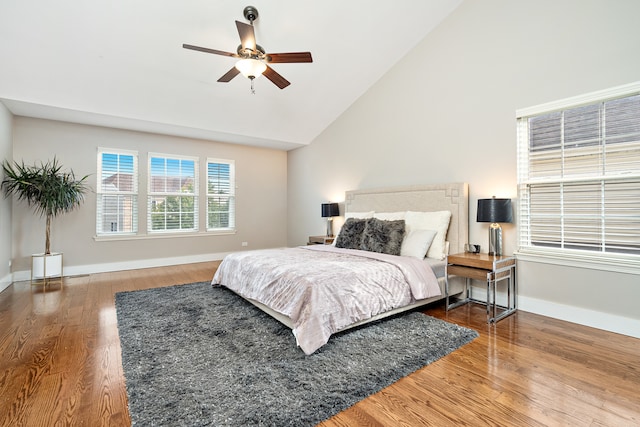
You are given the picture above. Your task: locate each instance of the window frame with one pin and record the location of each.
(151, 195)
(596, 259)
(101, 193)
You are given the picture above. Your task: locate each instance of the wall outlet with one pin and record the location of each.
(245, 244)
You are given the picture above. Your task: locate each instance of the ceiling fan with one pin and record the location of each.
(253, 58)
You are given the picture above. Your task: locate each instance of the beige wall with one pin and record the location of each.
(261, 197)
(5, 203)
(446, 113)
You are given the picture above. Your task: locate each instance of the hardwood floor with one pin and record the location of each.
(61, 365)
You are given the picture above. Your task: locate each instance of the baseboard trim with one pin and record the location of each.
(79, 270)
(595, 319)
(582, 316)
(6, 281)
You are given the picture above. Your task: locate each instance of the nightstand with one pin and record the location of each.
(320, 240)
(490, 269)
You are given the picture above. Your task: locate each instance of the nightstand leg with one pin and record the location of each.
(494, 302)
(488, 300)
(515, 293)
(509, 284)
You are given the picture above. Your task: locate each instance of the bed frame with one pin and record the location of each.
(452, 197)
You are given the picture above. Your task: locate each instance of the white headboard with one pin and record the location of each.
(421, 198)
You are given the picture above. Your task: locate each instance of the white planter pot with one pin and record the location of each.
(46, 266)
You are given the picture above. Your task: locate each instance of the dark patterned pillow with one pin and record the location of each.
(350, 236)
(383, 236)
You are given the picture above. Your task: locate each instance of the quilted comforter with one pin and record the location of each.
(324, 289)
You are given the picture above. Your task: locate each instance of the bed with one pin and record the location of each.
(319, 290)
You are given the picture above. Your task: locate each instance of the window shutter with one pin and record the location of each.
(579, 175)
(172, 194)
(220, 194)
(117, 204)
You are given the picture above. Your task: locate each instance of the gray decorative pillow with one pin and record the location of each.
(383, 236)
(350, 236)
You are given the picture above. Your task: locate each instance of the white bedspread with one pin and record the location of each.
(324, 289)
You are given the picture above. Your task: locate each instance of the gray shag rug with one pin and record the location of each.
(197, 355)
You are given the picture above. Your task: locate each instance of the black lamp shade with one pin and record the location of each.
(330, 209)
(494, 210)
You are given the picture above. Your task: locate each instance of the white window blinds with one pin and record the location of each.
(220, 194)
(117, 192)
(579, 176)
(172, 193)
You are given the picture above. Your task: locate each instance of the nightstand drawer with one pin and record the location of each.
(476, 273)
(320, 240)
(470, 272)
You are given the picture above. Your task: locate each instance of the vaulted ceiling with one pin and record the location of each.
(120, 63)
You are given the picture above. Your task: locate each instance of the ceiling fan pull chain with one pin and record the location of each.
(253, 91)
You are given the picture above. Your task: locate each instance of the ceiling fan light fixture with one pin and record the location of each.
(251, 68)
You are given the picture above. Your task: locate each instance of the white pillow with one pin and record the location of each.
(416, 243)
(347, 215)
(390, 216)
(438, 221)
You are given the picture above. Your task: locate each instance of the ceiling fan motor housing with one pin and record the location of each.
(245, 52)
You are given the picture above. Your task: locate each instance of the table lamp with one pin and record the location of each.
(329, 210)
(495, 211)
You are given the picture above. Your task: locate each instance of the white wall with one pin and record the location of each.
(5, 203)
(446, 113)
(261, 199)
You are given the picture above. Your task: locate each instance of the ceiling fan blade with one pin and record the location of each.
(289, 57)
(247, 36)
(207, 50)
(229, 75)
(276, 78)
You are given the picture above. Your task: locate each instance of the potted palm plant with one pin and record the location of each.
(51, 192)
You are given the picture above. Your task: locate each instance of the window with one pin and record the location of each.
(173, 190)
(117, 205)
(220, 195)
(172, 194)
(579, 177)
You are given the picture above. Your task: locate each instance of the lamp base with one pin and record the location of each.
(329, 227)
(495, 239)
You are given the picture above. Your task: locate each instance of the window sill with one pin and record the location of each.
(122, 237)
(597, 261)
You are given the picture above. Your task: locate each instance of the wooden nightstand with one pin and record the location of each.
(489, 268)
(320, 240)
